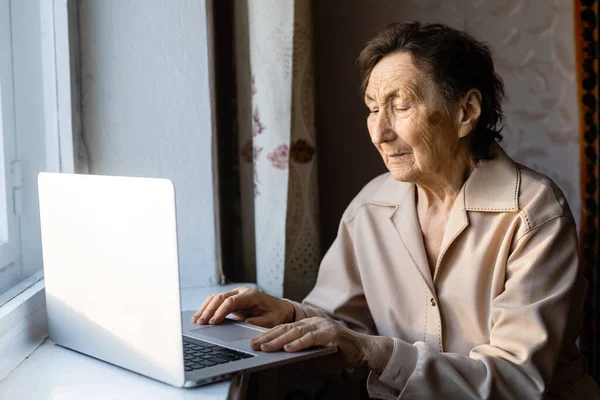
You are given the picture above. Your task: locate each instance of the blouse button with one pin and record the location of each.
(432, 302)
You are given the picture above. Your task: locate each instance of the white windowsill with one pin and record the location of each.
(20, 288)
(53, 372)
(23, 326)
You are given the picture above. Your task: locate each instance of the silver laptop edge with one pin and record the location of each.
(112, 280)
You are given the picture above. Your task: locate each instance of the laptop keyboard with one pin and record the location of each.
(200, 354)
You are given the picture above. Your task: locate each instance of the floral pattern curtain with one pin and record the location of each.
(278, 170)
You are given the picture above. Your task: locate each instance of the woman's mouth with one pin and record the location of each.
(395, 157)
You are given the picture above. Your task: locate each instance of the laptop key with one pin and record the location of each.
(230, 357)
(199, 343)
(208, 345)
(207, 363)
(212, 353)
(218, 360)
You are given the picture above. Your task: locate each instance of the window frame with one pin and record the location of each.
(23, 323)
(11, 248)
(55, 80)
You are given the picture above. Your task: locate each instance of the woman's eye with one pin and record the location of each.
(374, 111)
(401, 108)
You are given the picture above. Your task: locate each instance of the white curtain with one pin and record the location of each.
(278, 170)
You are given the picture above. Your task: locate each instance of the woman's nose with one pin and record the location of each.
(383, 129)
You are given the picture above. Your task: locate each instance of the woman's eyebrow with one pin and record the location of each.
(385, 97)
(410, 93)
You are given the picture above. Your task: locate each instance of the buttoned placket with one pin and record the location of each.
(403, 216)
(408, 230)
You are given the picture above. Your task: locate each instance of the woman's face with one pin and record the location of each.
(408, 122)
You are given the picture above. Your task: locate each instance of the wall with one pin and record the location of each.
(533, 49)
(146, 109)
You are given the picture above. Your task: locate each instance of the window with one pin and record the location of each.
(31, 63)
(10, 246)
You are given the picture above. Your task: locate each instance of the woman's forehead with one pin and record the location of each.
(396, 73)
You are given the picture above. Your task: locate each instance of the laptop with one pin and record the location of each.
(112, 284)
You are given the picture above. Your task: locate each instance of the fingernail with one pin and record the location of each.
(203, 317)
(212, 320)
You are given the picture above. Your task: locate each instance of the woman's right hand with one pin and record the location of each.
(255, 307)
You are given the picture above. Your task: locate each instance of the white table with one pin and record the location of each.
(52, 372)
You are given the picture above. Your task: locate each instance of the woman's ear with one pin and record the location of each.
(470, 110)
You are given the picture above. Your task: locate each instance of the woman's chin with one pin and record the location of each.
(401, 174)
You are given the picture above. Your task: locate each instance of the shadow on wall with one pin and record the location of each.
(347, 158)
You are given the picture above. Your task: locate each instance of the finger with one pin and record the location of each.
(229, 305)
(269, 335)
(198, 313)
(214, 304)
(265, 337)
(291, 335)
(266, 321)
(242, 289)
(311, 339)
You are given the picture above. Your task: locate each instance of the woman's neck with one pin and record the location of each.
(441, 189)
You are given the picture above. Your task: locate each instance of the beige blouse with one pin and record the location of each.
(499, 317)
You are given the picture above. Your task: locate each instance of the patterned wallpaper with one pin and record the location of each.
(534, 52)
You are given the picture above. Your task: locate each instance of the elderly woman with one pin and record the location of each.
(455, 275)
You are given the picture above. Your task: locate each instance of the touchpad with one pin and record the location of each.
(227, 332)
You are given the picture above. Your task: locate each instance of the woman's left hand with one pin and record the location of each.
(357, 349)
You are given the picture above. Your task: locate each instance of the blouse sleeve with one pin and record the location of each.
(532, 318)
